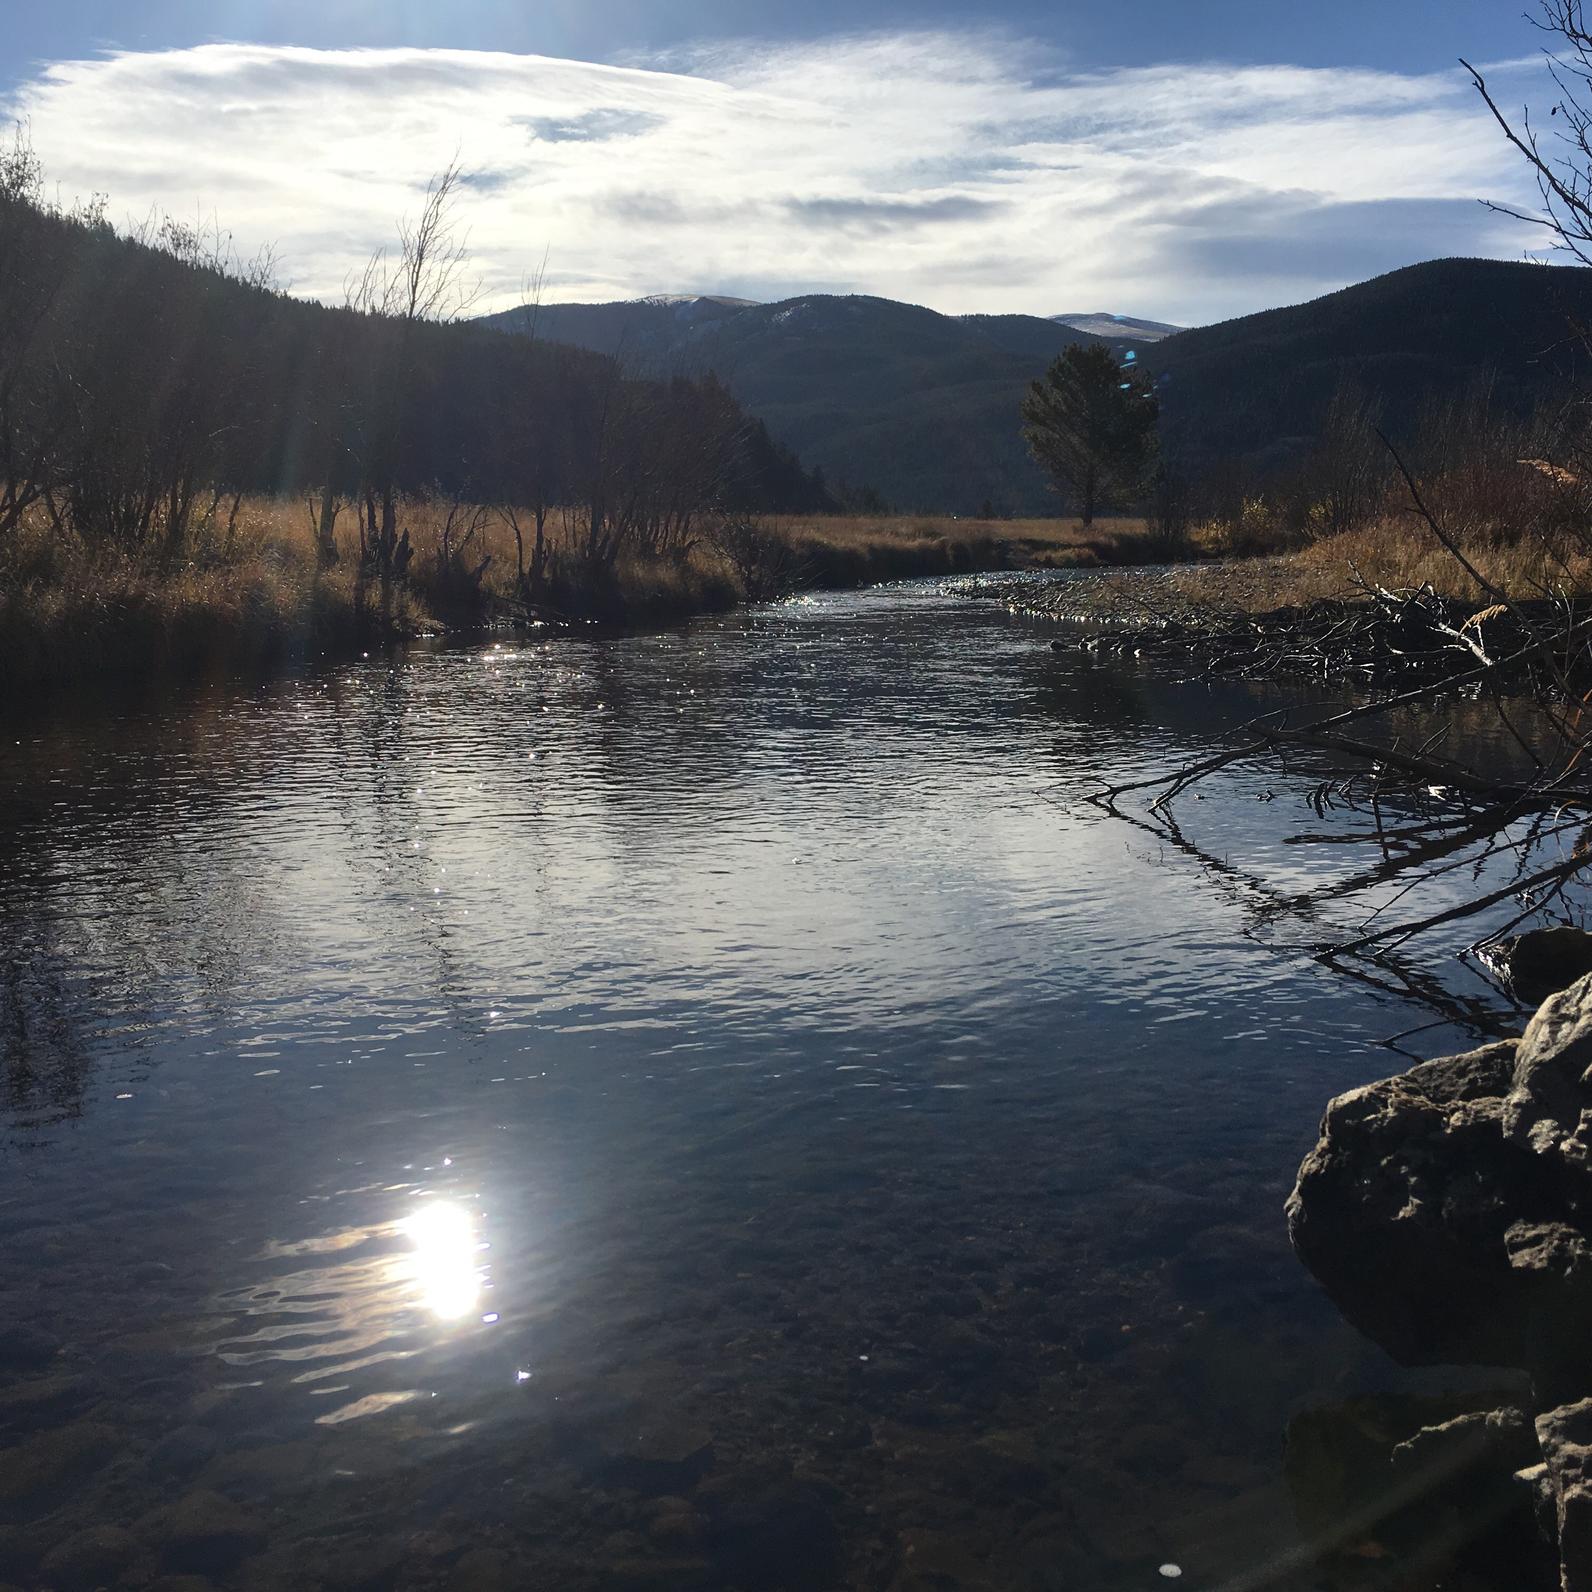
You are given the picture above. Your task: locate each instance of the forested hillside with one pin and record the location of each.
(1257, 388)
(923, 406)
(143, 381)
(919, 405)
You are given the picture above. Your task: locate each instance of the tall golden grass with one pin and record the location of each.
(247, 589)
(1396, 552)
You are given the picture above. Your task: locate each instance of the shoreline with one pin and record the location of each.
(261, 603)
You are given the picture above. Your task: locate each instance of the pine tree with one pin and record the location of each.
(1091, 425)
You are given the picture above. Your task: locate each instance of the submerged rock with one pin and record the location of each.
(1537, 963)
(204, 1532)
(92, 1558)
(52, 1459)
(25, 1347)
(1448, 1212)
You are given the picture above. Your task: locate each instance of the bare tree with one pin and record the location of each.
(1469, 757)
(1561, 158)
(427, 282)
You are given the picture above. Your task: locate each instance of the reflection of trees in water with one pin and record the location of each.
(1366, 849)
(110, 913)
(44, 1059)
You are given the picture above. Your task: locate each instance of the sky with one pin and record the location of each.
(1186, 160)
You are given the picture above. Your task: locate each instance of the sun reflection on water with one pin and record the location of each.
(443, 1265)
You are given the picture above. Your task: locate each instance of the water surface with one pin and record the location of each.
(714, 1108)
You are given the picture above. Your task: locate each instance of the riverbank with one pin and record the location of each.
(248, 592)
(1371, 604)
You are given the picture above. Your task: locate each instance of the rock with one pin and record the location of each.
(25, 1348)
(1427, 1477)
(652, 1454)
(53, 1458)
(655, 1575)
(1448, 1212)
(182, 1452)
(205, 1533)
(767, 1528)
(1541, 961)
(182, 1583)
(1545, 1109)
(1500, 1440)
(1565, 1435)
(933, 1561)
(1395, 1216)
(483, 1570)
(676, 1525)
(24, 1401)
(90, 1559)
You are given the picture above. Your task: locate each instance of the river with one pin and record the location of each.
(714, 1108)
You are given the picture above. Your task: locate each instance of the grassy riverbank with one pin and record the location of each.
(1393, 554)
(247, 590)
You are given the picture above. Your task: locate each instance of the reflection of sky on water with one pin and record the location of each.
(781, 948)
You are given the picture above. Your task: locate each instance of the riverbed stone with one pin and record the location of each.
(52, 1458)
(482, 1570)
(654, 1453)
(183, 1451)
(205, 1533)
(90, 1559)
(24, 1347)
(26, 1400)
(770, 1528)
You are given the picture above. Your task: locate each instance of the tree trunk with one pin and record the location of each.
(326, 528)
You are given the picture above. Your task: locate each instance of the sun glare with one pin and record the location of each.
(443, 1265)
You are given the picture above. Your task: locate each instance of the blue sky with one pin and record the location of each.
(1183, 159)
(1404, 35)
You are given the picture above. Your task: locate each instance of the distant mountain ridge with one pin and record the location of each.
(1102, 323)
(1256, 388)
(923, 406)
(920, 405)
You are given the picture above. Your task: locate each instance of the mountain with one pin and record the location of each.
(921, 406)
(1101, 323)
(1255, 388)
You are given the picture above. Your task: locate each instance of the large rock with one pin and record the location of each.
(1448, 1212)
(1389, 1214)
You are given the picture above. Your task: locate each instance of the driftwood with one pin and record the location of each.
(1430, 808)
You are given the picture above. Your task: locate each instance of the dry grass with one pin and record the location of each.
(1402, 552)
(1398, 553)
(249, 592)
(896, 546)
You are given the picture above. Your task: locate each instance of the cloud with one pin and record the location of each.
(890, 215)
(964, 170)
(593, 126)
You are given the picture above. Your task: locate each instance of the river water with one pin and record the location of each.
(704, 1109)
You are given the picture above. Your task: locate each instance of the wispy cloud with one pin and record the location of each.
(959, 170)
